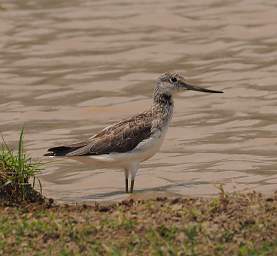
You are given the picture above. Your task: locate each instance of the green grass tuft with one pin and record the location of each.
(17, 171)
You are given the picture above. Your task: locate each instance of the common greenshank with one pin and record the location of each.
(131, 141)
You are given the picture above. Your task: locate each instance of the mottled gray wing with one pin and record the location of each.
(121, 137)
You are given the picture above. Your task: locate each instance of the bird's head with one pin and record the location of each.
(170, 83)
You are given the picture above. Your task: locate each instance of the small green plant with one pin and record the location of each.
(191, 232)
(17, 170)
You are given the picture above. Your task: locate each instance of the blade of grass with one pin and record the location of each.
(20, 151)
(39, 182)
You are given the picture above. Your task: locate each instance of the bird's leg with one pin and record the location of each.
(126, 185)
(126, 171)
(132, 185)
(133, 170)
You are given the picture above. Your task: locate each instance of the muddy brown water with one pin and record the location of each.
(69, 68)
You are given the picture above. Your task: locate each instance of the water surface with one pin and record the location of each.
(69, 68)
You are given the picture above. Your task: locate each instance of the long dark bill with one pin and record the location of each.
(197, 88)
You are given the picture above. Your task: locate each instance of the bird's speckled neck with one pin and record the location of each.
(162, 107)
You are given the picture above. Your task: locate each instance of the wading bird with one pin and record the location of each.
(131, 141)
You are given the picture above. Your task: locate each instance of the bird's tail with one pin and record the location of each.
(59, 151)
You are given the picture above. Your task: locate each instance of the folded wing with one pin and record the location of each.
(120, 137)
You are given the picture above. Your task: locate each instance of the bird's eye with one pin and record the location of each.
(173, 80)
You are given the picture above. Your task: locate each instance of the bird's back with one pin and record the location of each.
(118, 138)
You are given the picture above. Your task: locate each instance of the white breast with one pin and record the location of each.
(150, 146)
